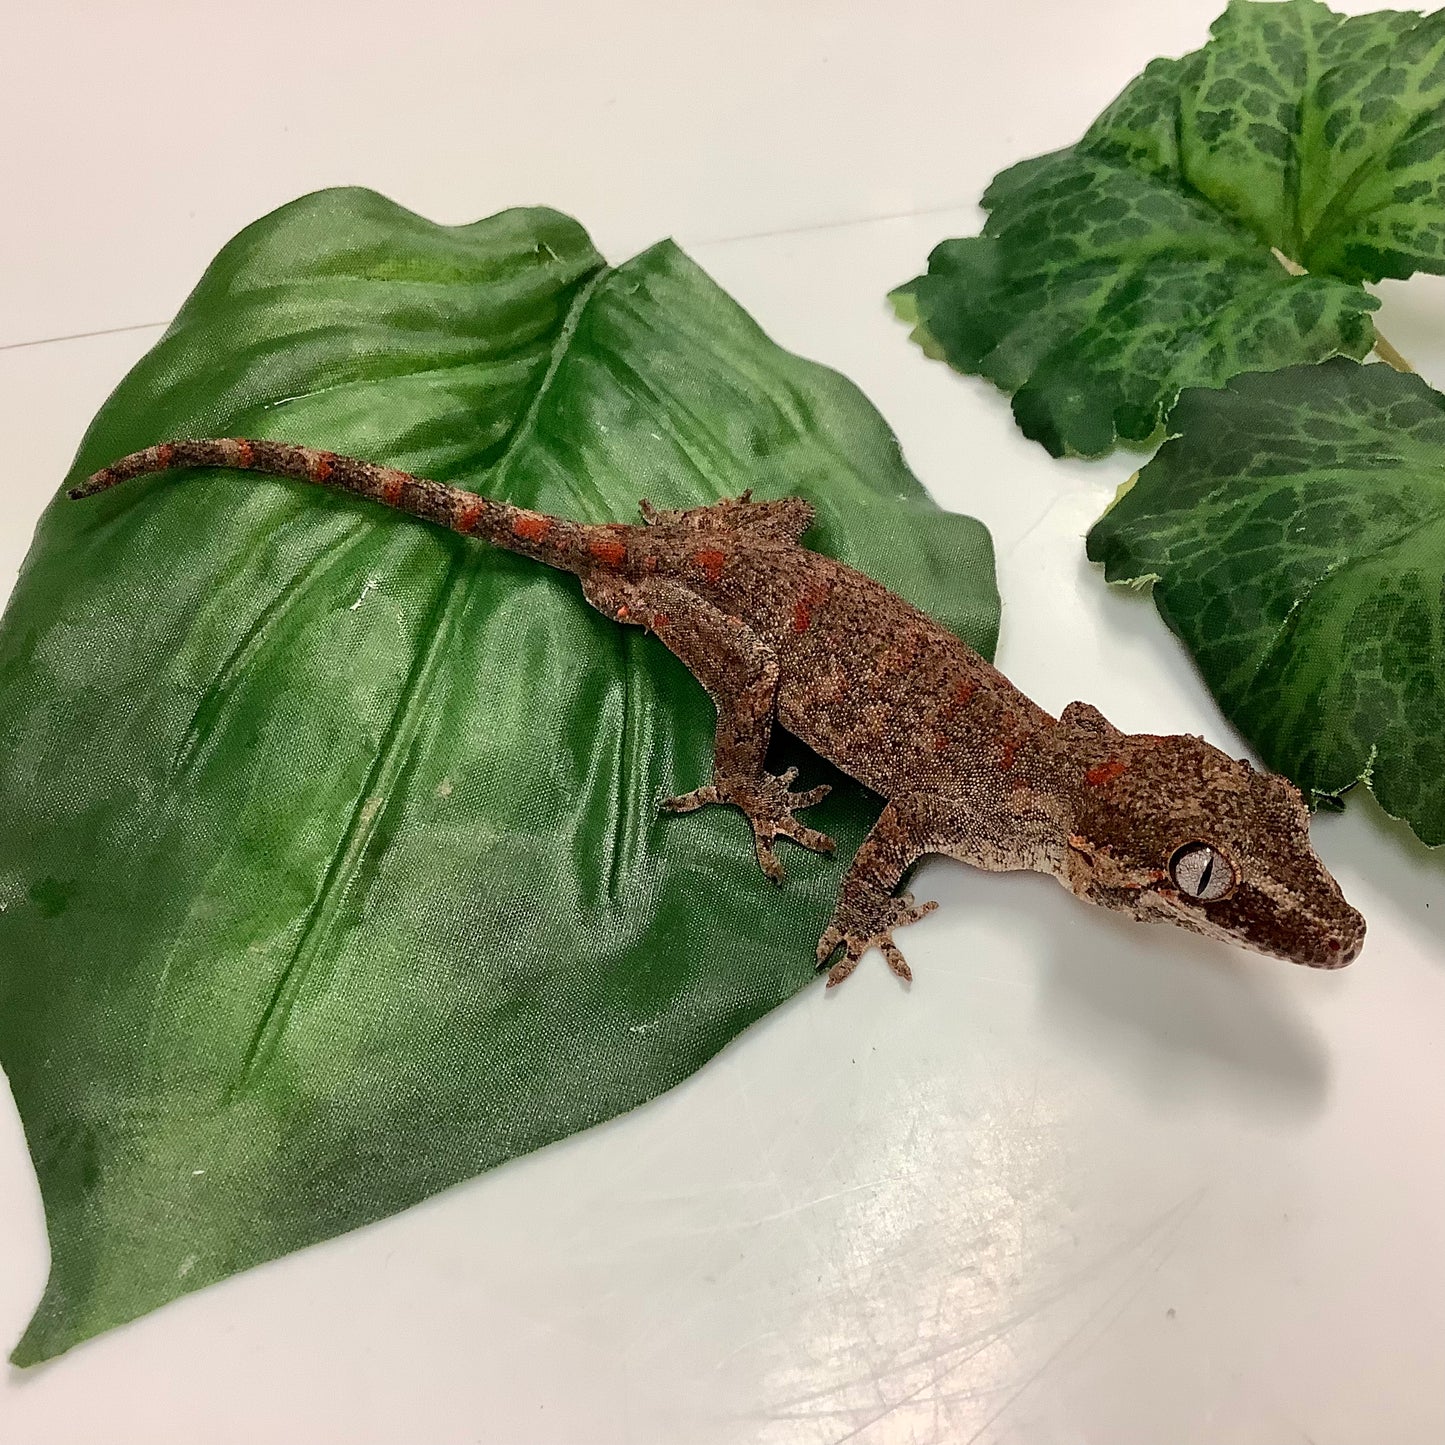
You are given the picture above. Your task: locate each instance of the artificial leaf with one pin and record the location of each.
(332, 871)
(1294, 531)
(1113, 274)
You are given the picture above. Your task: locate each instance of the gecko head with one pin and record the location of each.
(1172, 829)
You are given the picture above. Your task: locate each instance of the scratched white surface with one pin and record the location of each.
(1086, 1182)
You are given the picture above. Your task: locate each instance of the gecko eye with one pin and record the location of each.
(1201, 872)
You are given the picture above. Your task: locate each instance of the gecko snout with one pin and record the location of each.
(1342, 941)
(1346, 949)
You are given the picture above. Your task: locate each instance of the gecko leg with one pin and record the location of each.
(740, 673)
(769, 807)
(867, 911)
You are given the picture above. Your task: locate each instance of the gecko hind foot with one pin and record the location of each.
(769, 807)
(856, 929)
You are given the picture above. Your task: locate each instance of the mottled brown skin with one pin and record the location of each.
(970, 767)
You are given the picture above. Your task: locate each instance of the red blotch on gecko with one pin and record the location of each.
(609, 551)
(711, 561)
(1105, 772)
(469, 514)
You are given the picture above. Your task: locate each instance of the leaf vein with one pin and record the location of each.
(366, 813)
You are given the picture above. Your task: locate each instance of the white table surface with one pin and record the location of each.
(1086, 1181)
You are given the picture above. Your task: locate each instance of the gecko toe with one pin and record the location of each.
(690, 802)
(769, 806)
(828, 945)
(895, 959)
(799, 801)
(866, 923)
(809, 838)
(912, 912)
(767, 859)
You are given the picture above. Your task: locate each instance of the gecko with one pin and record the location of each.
(1157, 827)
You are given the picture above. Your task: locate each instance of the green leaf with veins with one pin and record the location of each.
(1111, 275)
(1294, 529)
(331, 870)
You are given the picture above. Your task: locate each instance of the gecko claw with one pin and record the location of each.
(767, 859)
(769, 807)
(691, 802)
(869, 924)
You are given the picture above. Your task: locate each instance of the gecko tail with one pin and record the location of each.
(221, 452)
(552, 540)
(277, 459)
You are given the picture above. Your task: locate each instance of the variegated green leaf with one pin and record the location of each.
(1294, 531)
(1112, 274)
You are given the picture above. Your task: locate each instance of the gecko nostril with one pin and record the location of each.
(1343, 950)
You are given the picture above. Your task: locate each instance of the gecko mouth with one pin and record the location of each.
(1337, 946)
(1249, 919)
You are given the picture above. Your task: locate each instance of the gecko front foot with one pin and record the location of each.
(869, 923)
(769, 807)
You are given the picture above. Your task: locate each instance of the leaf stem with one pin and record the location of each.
(1389, 355)
(1383, 349)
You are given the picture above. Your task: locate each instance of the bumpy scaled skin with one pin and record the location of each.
(1157, 827)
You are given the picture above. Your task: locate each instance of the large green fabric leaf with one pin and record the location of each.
(331, 870)
(1111, 275)
(1294, 529)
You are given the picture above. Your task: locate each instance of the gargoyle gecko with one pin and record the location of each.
(1156, 827)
